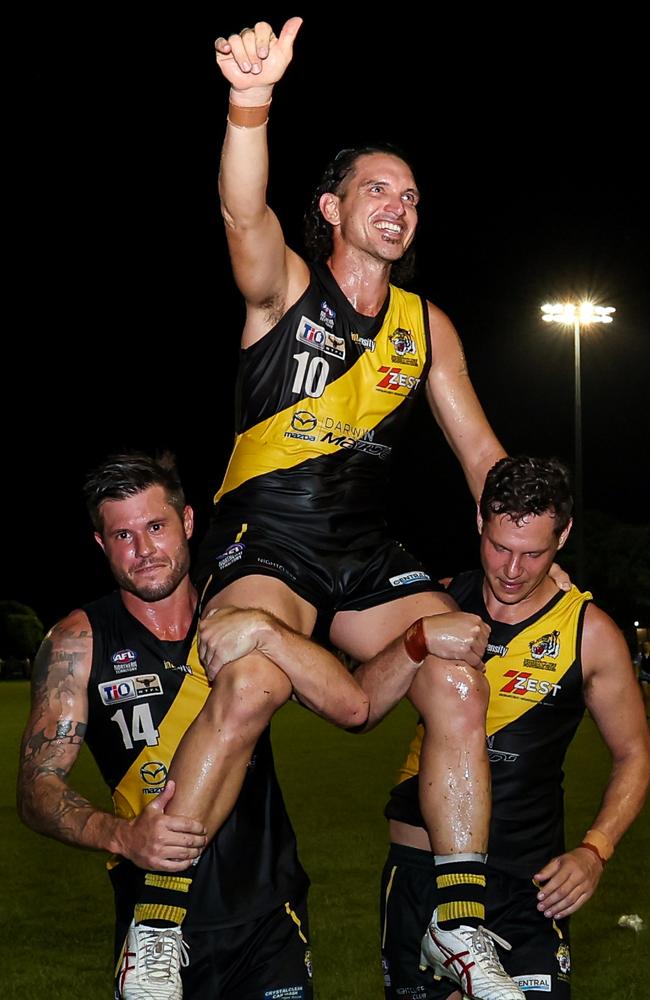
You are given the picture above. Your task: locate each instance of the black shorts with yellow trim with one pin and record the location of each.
(265, 959)
(333, 572)
(540, 960)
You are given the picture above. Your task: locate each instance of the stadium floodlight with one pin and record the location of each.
(577, 315)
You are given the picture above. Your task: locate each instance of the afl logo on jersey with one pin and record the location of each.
(124, 661)
(231, 555)
(153, 772)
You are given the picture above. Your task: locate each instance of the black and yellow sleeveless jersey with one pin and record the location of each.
(143, 693)
(536, 702)
(320, 400)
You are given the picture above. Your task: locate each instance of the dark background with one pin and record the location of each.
(527, 141)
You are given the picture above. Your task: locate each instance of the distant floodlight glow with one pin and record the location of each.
(585, 313)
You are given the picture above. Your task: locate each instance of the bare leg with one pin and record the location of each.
(454, 783)
(452, 701)
(210, 764)
(454, 770)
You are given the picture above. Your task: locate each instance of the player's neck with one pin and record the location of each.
(512, 614)
(169, 619)
(362, 279)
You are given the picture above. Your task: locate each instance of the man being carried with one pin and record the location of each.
(333, 356)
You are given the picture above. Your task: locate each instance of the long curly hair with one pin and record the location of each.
(318, 232)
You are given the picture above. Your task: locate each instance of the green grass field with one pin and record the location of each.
(56, 901)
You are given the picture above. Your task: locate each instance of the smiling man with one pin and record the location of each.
(550, 655)
(333, 355)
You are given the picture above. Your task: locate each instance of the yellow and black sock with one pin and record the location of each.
(460, 884)
(163, 898)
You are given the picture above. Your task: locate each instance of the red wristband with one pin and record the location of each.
(594, 850)
(414, 642)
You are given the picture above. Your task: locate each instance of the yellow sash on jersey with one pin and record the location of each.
(135, 792)
(523, 677)
(353, 400)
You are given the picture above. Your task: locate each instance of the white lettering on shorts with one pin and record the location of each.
(414, 577)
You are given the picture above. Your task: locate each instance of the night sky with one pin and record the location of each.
(528, 149)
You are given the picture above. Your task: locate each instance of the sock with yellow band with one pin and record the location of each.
(163, 899)
(461, 887)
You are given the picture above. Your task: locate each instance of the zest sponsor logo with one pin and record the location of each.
(395, 380)
(522, 683)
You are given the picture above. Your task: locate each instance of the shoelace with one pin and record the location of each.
(163, 950)
(482, 942)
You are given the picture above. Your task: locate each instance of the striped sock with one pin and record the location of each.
(460, 883)
(163, 898)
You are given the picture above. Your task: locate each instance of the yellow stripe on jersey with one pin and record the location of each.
(282, 441)
(522, 679)
(525, 677)
(133, 794)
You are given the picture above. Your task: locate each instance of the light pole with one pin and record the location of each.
(577, 315)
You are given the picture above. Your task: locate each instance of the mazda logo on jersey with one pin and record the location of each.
(303, 420)
(153, 772)
(130, 688)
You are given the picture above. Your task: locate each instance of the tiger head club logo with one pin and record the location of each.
(563, 956)
(403, 342)
(546, 645)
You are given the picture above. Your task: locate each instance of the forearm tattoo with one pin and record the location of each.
(54, 735)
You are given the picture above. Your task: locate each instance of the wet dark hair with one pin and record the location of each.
(318, 232)
(125, 475)
(518, 487)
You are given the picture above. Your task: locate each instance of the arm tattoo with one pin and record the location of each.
(54, 734)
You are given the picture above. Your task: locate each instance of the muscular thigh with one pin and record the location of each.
(362, 634)
(269, 594)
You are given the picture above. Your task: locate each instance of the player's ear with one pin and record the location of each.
(329, 206)
(100, 541)
(565, 534)
(188, 520)
(479, 520)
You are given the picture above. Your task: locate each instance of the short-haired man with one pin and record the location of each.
(550, 654)
(118, 675)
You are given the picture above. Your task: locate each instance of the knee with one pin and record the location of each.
(451, 689)
(249, 691)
